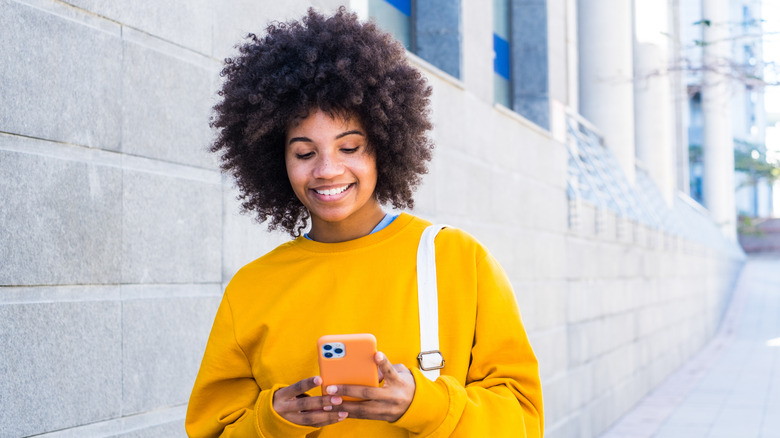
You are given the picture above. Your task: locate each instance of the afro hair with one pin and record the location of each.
(338, 65)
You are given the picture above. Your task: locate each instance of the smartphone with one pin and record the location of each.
(347, 360)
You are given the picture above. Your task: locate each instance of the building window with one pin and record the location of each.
(521, 75)
(502, 77)
(695, 149)
(428, 28)
(394, 16)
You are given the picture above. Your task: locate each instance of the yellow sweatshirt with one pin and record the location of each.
(275, 308)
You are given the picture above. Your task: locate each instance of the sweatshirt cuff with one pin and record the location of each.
(270, 423)
(429, 406)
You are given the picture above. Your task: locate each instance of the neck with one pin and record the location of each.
(347, 229)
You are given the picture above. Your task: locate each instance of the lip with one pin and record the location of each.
(331, 198)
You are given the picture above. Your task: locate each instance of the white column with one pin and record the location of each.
(653, 109)
(682, 117)
(606, 75)
(477, 48)
(572, 56)
(718, 137)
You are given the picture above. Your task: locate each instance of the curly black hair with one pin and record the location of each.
(338, 65)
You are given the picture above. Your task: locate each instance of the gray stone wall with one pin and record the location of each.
(118, 233)
(612, 306)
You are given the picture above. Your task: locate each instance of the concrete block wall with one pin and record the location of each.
(636, 308)
(612, 306)
(118, 233)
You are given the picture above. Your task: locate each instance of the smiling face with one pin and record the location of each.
(333, 174)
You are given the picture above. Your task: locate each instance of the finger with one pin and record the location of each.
(367, 410)
(300, 387)
(401, 369)
(385, 367)
(355, 391)
(311, 404)
(317, 418)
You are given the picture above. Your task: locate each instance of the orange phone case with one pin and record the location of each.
(352, 366)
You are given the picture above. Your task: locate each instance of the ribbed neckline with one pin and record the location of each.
(403, 220)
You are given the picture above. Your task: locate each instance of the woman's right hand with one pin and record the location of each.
(295, 406)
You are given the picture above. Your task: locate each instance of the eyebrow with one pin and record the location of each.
(342, 135)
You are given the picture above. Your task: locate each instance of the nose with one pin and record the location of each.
(328, 166)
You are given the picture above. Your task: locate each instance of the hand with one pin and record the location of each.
(295, 406)
(388, 402)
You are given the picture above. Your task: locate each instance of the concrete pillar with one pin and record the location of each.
(680, 98)
(477, 49)
(572, 56)
(718, 137)
(654, 105)
(606, 75)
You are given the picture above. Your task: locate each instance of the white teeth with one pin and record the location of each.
(332, 192)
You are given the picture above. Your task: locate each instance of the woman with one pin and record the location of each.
(324, 119)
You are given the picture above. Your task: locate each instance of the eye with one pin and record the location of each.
(305, 156)
(350, 150)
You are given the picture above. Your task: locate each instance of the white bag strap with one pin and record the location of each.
(430, 358)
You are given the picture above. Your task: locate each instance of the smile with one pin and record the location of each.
(334, 191)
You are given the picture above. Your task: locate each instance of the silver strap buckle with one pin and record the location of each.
(428, 360)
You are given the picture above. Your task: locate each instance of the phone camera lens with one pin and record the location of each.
(327, 347)
(338, 351)
(328, 355)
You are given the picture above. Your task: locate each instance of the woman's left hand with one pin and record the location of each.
(388, 402)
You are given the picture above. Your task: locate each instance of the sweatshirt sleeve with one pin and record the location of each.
(502, 396)
(226, 400)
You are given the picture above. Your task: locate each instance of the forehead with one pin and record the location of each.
(317, 120)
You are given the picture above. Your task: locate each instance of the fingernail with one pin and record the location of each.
(335, 400)
(317, 380)
(343, 415)
(327, 408)
(380, 356)
(331, 389)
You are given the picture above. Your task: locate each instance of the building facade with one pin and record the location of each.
(738, 73)
(557, 147)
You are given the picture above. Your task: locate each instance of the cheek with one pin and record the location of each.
(294, 175)
(371, 171)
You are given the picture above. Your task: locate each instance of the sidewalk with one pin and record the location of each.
(732, 387)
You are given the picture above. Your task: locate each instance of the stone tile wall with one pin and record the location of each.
(118, 233)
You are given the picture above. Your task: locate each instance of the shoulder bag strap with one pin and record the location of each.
(430, 358)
